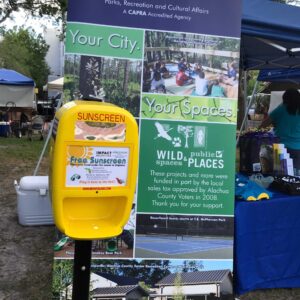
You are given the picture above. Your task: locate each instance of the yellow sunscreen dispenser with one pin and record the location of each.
(94, 169)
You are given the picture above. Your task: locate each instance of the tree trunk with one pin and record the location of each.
(83, 83)
(241, 104)
(126, 76)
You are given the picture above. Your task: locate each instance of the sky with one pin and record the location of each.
(209, 265)
(20, 19)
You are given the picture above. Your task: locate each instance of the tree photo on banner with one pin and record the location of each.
(173, 65)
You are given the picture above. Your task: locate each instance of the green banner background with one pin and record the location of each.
(104, 40)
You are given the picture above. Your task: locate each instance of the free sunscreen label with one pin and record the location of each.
(96, 166)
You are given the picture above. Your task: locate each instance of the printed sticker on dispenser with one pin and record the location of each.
(96, 166)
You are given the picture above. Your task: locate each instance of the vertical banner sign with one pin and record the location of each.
(174, 65)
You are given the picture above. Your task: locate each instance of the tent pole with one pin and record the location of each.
(46, 142)
(247, 109)
(245, 95)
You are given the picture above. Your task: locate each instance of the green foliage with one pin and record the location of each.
(56, 8)
(119, 80)
(174, 42)
(144, 286)
(178, 288)
(251, 78)
(62, 276)
(147, 271)
(24, 51)
(15, 149)
(116, 94)
(261, 103)
(192, 266)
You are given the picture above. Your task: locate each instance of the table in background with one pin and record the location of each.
(267, 243)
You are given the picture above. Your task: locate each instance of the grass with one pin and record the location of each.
(16, 148)
(22, 154)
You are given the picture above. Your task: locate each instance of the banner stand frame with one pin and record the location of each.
(82, 269)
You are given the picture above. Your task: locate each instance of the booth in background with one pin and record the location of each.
(16, 99)
(267, 232)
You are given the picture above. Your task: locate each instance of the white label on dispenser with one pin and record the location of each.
(96, 166)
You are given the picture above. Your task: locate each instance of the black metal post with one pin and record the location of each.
(81, 270)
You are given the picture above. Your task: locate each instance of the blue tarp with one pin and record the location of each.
(270, 35)
(10, 77)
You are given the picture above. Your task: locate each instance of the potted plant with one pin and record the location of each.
(261, 106)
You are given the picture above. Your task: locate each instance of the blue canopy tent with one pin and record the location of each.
(270, 39)
(279, 79)
(270, 42)
(279, 75)
(270, 35)
(15, 89)
(12, 77)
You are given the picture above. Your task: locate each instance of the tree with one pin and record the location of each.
(192, 265)
(24, 51)
(147, 271)
(56, 8)
(178, 295)
(62, 277)
(90, 74)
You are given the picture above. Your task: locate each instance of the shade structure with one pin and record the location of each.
(270, 35)
(56, 84)
(15, 89)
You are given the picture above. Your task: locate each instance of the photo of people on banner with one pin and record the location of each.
(190, 64)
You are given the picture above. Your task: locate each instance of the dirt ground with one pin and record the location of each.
(27, 252)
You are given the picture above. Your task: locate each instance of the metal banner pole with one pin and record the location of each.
(81, 270)
(246, 112)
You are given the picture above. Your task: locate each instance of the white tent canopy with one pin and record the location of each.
(56, 84)
(15, 89)
(19, 96)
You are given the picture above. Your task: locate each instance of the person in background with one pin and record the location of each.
(286, 121)
(182, 78)
(147, 77)
(198, 68)
(157, 66)
(37, 124)
(164, 71)
(232, 74)
(232, 70)
(158, 83)
(217, 90)
(182, 65)
(201, 85)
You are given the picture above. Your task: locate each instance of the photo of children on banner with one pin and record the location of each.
(189, 68)
(157, 83)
